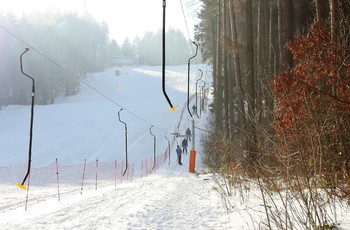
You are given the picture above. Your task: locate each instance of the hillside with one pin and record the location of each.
(86, 126)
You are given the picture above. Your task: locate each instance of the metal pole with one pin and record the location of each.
(58, 182)
(31, 125)
(126, 141)
(96, 168)
(82, 181)
(193, 136)
(196, 91)
(188, 80)
(168, 148)
(154, 147)
(192, 163)
(202, 98)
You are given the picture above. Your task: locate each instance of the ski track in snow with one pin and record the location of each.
(86, 126)
(170, 198)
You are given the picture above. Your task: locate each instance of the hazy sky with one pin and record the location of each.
(125, 18)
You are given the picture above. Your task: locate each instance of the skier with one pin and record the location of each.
(188, 134)
(184, 145)
(194, 109)
(178, 151)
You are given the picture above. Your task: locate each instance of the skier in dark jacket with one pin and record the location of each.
(194, 109)
(188, 134)
(184, 145)
(178, 151)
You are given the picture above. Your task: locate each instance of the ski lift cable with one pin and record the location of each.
(188, 32)
(189, 37)
(183, 13)
(80, 80)
(22, 186)
(126, 141)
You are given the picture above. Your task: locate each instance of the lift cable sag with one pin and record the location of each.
(70, 74)
(126, 141)
(22, 186)
(163, 63)
(188, 32)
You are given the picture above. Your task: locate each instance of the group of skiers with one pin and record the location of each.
(184, 145)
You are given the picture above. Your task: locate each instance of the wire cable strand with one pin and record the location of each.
(188, 32)
(80, 80)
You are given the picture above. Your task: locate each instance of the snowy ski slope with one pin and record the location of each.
(86, 126)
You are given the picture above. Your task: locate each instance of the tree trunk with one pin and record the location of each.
(302, 16)
(226, 75)
(231, 96)
(333, 6)
(214, 41)
(218, 78)
(318, 11)
(286, 25)
(260, 59)
(238, 77)
(250, 81)
(322, 11)
(273, 47)
(263, 76)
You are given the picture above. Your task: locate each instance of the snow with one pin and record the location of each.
(86, 127)
(161, 201)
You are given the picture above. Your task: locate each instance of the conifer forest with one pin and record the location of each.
(281, 108)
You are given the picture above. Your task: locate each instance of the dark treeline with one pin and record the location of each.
(77, 45)
(148, 49)
(281, 95)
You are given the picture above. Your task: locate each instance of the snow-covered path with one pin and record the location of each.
(170, 199)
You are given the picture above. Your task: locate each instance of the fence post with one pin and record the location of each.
(146, 168)
(58, 183)
(115, 173)
(121, 173)
(127, 174)
(82, 181)
(133, 167)
(96, 173)
(141, 167)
